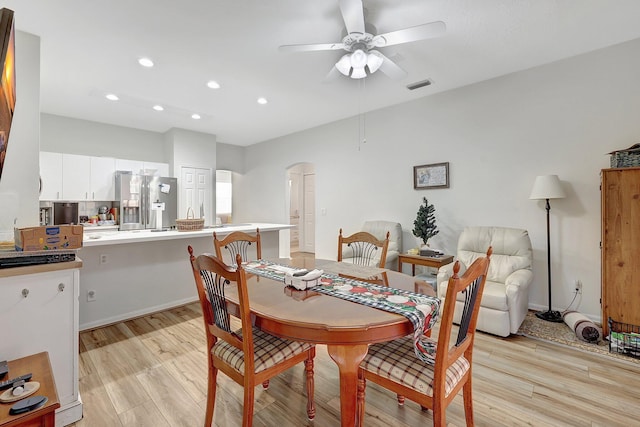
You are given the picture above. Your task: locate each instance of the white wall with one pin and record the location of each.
(195, 150)
(498, 135)
(19, 183)
(68, 135)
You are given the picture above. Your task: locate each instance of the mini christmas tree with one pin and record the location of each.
(425, 224)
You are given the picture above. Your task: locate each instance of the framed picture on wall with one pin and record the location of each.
(435, 175)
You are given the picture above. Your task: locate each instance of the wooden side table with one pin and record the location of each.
(40, 367)
(426, 261)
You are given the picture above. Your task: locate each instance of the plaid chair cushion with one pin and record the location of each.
(268, 351)
(397, 361)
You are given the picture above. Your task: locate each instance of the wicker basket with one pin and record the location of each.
(190, 223)
(626, 158)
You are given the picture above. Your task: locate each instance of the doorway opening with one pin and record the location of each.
(302, 209)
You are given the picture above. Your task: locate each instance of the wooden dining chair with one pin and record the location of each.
(394, 365)
(248, 355)
(363, 248)
(238, 243)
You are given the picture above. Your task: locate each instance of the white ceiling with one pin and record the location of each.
(90, 48)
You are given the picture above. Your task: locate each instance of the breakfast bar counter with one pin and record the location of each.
(127, 274)
(93, 236)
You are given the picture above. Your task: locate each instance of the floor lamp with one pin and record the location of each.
(548, 187)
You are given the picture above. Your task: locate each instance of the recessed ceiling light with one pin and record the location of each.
(145, 62)
(112, 97)
(195, 116)
(158, 107)
(262, 101)
(212, 84)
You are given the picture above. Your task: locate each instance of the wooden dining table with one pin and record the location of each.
(347, 328)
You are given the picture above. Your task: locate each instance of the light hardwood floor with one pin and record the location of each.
(151, 371)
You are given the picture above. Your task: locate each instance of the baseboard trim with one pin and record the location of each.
(69, 413)
(135, 314)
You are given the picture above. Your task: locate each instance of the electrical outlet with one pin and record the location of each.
(91, 295)
(578, 286)
(104, 259)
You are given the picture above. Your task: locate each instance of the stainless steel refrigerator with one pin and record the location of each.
(137, 197)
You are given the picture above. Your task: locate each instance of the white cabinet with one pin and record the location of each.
(144, 168)
(156, 169)
(76, 173)
(51, 175)
(102, 182)
(39, 311)
(133, 166)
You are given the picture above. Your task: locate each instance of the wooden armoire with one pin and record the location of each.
(620, 190)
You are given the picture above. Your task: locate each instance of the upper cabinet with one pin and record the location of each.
(75, 177)
(102, 178)
(133, 166)
(76, 173)
(50, 176)
(156, 169)
(143, 168)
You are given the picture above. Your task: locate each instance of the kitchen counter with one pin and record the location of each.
(98, 237)
(126, 274)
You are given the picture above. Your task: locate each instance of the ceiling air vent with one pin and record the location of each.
(418, 85)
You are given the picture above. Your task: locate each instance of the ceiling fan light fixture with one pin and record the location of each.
(358, 73)
(358, 59)
(344, 65)
(374, 61)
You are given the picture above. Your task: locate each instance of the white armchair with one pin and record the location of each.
(379, 229)
(505, 299)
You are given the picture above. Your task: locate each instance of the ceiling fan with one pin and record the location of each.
(361, 46)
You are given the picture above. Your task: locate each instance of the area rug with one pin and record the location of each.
(560, 333)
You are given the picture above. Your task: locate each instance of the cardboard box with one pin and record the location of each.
(48, 237)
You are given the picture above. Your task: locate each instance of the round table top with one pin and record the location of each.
(313, 317)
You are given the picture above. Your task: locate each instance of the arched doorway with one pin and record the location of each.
(301, 201)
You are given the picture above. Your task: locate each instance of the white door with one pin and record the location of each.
(196, 190)
(309, 201)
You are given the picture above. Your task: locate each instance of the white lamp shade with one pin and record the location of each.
(358, 73)
(374, 61)
(344, 64)
(547, 187)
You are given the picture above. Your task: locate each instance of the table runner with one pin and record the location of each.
(421, 310)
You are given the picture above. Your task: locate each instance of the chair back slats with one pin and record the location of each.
(470, 296)
(364, 248)
(211, 276)
(472, 285)
(363, 252)
(238, 243)
(214, 284)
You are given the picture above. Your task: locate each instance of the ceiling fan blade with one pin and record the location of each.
(391, 69)
(411, 34)
(332, 75)
(353, 15)
(310, 47)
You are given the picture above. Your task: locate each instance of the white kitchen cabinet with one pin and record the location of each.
(133, 166)
(51, 175)
(102, 182)
(76, 175)
(156, 169)
(39, 308)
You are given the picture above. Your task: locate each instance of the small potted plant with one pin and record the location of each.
(425, 224)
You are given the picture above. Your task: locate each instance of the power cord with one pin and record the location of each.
(575, 295)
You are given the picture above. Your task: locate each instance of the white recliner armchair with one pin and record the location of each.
(379, 229)
(505, 299)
